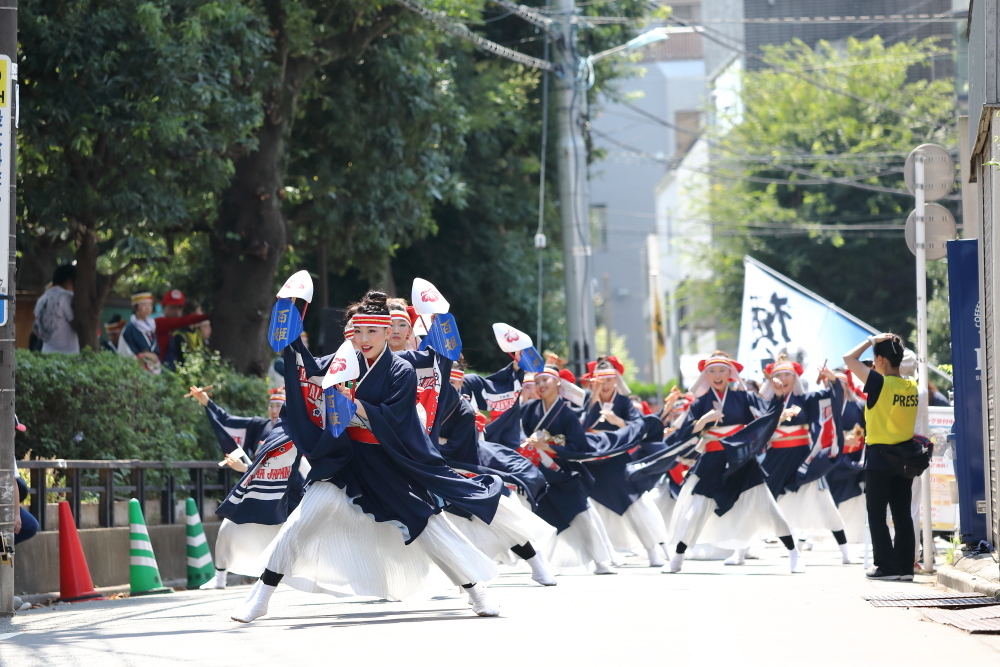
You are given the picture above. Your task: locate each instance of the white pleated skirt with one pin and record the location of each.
(513, 525)
(642, 525)
(328, 545)
(239, 545)
(854, 512)
(754, 516)
(811, 509)
(583, 543)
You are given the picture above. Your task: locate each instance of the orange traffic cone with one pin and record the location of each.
(75, 584)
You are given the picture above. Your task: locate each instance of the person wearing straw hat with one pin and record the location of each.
(143, 336)
(371, 522)
(802, 450)
(624, 508)
(252, 516)
(724, 494)
(114, 330)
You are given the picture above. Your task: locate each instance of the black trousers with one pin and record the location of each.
(884, 488)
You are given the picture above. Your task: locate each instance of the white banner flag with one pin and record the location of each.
(780, 315)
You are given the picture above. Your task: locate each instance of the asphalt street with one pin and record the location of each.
(757, 614)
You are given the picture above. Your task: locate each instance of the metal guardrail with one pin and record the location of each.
(137, 489)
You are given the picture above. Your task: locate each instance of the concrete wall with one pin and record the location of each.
(36, 561)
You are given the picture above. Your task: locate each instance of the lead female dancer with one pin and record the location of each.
(371, 522)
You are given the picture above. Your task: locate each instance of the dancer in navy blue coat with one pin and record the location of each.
(371, 522)
(260, 502)
(846, 479)
(523, 533)
(582, 538)
(621, 502)
(726, 484)
(803, 449)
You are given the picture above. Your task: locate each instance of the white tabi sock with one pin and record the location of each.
(846, 555)
(540, 570)
(216, 582)
(480, 603)
(674, 566)
(655, 557)
(255, 604)
(798, 565)
(739, 557)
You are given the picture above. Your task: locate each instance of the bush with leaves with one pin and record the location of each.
(98, 405)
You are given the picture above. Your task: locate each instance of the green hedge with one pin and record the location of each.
(99, 405)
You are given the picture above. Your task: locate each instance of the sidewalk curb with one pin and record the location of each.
(963, 582)
(107, 591)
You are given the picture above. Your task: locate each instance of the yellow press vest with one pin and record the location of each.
(892, 419)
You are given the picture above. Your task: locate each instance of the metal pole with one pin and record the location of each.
(540, 241)
(8, 464)
(571, 97)
(920, 242)
(606, 279)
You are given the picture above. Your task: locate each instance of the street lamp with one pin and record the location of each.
(586, 73)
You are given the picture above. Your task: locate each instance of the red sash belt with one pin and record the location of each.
(359, 434)
(713, 435)
(784, 438)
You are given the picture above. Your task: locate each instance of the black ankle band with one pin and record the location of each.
(840, 536)
(271, 578)
(788, 542)
(525, 551)
(681, 548)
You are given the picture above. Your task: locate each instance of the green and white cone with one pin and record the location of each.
(199, 558)
(144, 575)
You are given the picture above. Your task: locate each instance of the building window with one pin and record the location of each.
(689, 123)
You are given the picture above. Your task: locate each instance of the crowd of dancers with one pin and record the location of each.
(385, 469)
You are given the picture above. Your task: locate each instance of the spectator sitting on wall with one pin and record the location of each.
(54, 321)
(114, 331)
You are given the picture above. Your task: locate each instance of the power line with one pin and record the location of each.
(818, 178)
(446, 24)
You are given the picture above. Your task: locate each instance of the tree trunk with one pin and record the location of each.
(323, 272)
(250, 235)
(89, 292)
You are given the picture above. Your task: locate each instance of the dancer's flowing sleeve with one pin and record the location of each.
(231, 431)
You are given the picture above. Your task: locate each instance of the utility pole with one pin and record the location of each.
(574, 195)
(8, 184)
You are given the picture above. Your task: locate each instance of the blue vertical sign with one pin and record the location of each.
(963, 293)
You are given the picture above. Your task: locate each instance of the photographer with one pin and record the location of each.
(890, 416)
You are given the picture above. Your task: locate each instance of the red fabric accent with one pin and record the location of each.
(646, 410)
(166, 325)
(567, 375)
(713, 446)
(677, 473)
(480, 421)
(794, 442)
(428, 397)
(530, 453)
(617, 364)
(359, 434)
